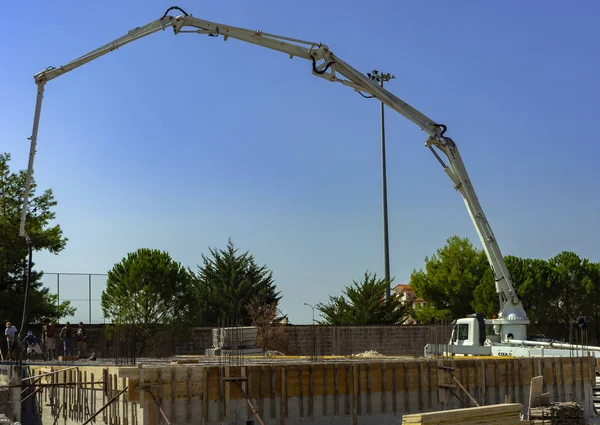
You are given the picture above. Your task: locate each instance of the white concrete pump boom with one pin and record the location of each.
(328, 66)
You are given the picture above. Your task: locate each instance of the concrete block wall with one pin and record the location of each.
(304, 340)
(346, 340)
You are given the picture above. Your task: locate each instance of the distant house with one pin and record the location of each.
(407, 295)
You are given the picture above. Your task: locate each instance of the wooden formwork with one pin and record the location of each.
(285, 392)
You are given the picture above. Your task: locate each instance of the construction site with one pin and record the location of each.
(235, 382)
(483, 369)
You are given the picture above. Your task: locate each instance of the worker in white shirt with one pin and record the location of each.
(11, 339)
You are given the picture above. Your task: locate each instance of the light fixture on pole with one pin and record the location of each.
(313, 312)
(380, 78)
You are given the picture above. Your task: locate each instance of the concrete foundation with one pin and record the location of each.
(330, 392)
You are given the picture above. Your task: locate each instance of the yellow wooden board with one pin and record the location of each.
(504, 411)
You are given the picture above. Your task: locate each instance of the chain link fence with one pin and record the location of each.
(83, 290)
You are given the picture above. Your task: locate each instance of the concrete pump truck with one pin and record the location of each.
(475, 335)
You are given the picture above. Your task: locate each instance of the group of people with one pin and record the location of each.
(74, 341)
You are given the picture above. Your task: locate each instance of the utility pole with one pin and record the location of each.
(381, 78)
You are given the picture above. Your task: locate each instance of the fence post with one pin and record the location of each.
(90, 298)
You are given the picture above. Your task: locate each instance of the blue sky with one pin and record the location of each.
(180, 142)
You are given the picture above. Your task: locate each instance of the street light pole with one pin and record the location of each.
(313, 312)
(380, 78)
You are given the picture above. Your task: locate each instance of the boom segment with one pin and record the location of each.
(328, 66)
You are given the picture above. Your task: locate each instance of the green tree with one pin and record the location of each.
(44, 236)
(591, 283)
(228, 283)
(151, 292)
(532, 281)
(449, 280)
(458, 280)
(364, 303)
(568, 279)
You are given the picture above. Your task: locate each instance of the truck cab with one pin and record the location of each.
(469, 331)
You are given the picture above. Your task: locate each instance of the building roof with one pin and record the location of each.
(402, 287)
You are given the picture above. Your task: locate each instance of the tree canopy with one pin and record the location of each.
(44, 236)
(458, 280)
(451, 275)
(150, 291)
(364, 303)
(228, 282)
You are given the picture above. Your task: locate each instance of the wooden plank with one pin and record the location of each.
(261, 391)
(383, 390)
(300, 392)
(562, 375)
(406, 388)
(87, 388)
(429, 384)
(228, 390)
(107, 390)
(359, 390)
(124, 404)
(272, 392)
(506, 379)
(283, 396)
(582, 381)
(325, 392)
(440, 380)
(513, 379)
(78, 396)
(116, 415)
(251, 386)
(554, 375)
(336, 391)
(420, 385)
(188, 381)
(465, 414)
(467, 383)
(205, 392)
(173, 393)
(159, 395)
(348, 392)
(485, 383)
(394, 381)
(368, 389)
(497, 380)
(461, 371)
(355, 389)
(311, 389)
(93, 403)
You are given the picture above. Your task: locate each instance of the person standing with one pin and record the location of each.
(66, 336)
(81, 340)
(49, 340)
(11, 339)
